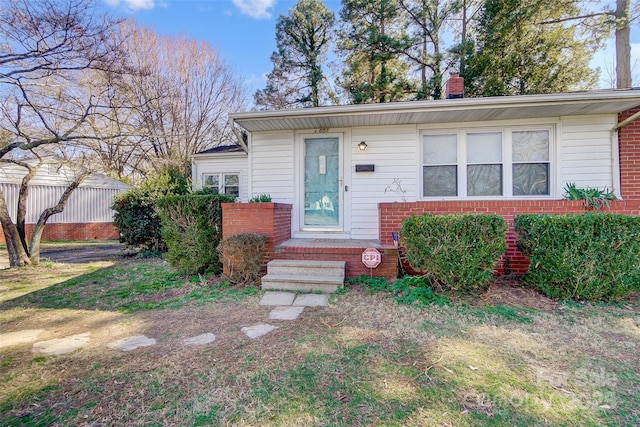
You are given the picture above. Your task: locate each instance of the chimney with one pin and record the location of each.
(454, 87)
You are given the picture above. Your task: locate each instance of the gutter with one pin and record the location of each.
(615, 149)
(238, 135)
(626, 121)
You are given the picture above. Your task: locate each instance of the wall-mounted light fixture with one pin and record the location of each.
(362, 147)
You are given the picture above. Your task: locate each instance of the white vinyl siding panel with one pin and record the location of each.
(393, 151)
(236, 164)
(272, 165)
(85, 204)
(587, 157)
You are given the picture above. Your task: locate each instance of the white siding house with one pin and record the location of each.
(223, 169)
(334, 165)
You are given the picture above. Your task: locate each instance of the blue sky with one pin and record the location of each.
(244, 30)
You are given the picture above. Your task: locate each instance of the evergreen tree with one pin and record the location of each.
(516, 55)
(427, 53)
(373, 36)
(302, 38)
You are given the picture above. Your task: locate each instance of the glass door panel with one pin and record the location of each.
(322, 182)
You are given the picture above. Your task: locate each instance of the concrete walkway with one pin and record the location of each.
(287, 306)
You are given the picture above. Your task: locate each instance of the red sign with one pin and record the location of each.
(371, 257)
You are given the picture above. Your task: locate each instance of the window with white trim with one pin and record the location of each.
(510, 162)
(222, 183)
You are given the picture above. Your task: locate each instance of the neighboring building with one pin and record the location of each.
(88, 213)
(224, 169)
(354, 172)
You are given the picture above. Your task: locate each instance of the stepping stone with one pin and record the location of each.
(277, 298)
(131, 343)
(312, 300)
(200, 339)
(19, 337)
(285, 313)
(61, 345)
(256, 331)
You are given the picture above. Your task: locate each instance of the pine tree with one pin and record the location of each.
(372, 38)
(302, 38)
(516, 55)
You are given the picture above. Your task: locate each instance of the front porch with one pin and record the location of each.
(349, 251)
(274, 220)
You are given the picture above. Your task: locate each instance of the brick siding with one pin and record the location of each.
(75, 231)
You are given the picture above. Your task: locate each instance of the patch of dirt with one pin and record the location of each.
(512, 292)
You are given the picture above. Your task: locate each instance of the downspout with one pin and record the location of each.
(238, 135)
(617, 190)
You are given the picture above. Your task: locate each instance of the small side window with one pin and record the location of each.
(232, 185)
(211, 182)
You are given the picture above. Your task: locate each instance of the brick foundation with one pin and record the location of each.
(392, 214)
(271, 219)
(75, 231)
(352, 256)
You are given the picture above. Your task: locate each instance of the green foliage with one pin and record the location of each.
(590, 256)
(593, 198)
(242, 255)
(372, 35)
(260, 198)
(516, 55)
(303, 37)
(192, 230)
(416, 290)
(457, 251)
(136, 215)
(408, 290)
(370, 284)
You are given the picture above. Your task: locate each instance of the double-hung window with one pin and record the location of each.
(222, 183)
(510, 162)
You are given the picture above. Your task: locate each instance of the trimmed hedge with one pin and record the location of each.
(192, 230)
(135, 213)
(590, 256)
(242, 255)
(137, 220)
(458, 251)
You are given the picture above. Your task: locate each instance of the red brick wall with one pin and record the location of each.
(392, 214)
(76, 231)
(629, 147)
(352, 256)
(272, 219)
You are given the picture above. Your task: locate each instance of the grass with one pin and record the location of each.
(365, 360)
(129, 286)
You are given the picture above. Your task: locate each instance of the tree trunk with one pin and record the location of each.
(623, 46)
(17, 255)
(34, 244)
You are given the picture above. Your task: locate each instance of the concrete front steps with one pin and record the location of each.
(304, 275)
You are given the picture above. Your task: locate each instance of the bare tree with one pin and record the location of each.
(179, 99)
(46, 46)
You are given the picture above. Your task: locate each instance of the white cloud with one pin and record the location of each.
(255, 8)
(133, 4)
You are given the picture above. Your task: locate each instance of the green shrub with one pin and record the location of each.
(590, 256)
(592, 198)
(242, 255)
(192, 229)
(457, 251)
(260, 198)
(135, 213)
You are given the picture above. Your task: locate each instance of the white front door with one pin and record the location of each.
(322, 189)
